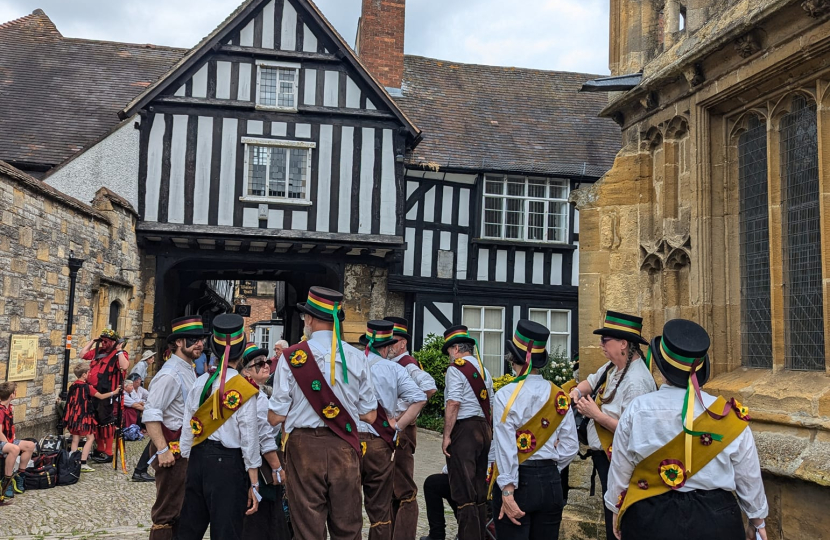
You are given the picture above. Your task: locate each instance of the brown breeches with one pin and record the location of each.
(467, 467)
(376, 475)
(323, 485)
(169, 498)
(404, 489)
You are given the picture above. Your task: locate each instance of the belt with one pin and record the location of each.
(318, 431)
(216, 445)
(539, 464)
(366, 435)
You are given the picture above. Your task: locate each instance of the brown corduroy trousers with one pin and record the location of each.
(169, 498)
(404, 488)
(323, 485)
(376, 475)
(467, 467)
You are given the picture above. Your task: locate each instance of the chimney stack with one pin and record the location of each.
(380, 37)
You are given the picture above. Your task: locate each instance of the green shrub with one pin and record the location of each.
(435, 363)
(559, 370)
(432, 423)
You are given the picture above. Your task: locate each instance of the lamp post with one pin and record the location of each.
(74, 266)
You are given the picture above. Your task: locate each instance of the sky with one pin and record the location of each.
(564, 35)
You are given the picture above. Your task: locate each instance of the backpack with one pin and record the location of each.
(69, 467)
(51, 444)
(43, 477)
(132, 433)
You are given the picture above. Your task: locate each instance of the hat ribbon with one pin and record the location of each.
(337, 345)
(520, 379)
(478, 357)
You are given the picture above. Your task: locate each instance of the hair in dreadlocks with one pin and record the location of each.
(633, 347)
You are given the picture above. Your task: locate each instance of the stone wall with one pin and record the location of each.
(40, 227)
(366, 297)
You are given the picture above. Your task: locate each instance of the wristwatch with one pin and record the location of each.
(507, 493)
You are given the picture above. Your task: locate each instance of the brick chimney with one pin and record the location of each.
(380, 36)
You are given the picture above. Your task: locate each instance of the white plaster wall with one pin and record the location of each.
(111, 163)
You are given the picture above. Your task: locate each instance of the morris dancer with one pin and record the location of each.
(468, 429)
(604, 396)
(323, 387)
(404, 488)
(222, 442)
(378, 440)
(534, 438)
(679, 453)
(163, 413)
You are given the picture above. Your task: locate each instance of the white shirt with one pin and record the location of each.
(358, 397)
(392, 383)
(267, 433)
(142, 392)
(637, 381)
(457, 388)
(651, 421)
(423, 379)
(534, 393)
(141, 369)
(132, 397)
(168, 390)
(241, 430)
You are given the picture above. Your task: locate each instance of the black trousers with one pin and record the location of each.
(602, 465)
(539, 495)
(216, 493)
(142, 465)
(694, 515)
(436, 491)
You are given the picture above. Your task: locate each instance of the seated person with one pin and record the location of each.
(133, 405)
(436, 491)
(11, 448)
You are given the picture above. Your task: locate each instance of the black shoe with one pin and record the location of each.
(97, 455)
(143, 477)
(102, 459)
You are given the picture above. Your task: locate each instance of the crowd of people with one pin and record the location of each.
(330, 428)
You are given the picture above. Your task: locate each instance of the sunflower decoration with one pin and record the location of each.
(673, 473)
(525, 441)
(196, 426)
(331, 411)
(316, 385)
(642, 484)
(298, 358)
(363, 448)
(174, 447)
(545, 423)
(232, 400)
(621, 498)
(483, 393)
(562, 404)
(460, 362)
(740, 410)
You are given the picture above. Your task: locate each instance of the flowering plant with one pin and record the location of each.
(502, 381)
(558, 371)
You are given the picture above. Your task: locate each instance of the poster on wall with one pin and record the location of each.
(22, 358)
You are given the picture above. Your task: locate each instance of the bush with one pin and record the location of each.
(435, 363)
(559, 370)
(502, 381)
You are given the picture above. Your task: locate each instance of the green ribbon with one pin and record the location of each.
(334, 313)
(715, 436)
(206, 391)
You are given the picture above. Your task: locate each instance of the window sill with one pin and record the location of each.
(276, 109)
(274, 200)
(560, 246)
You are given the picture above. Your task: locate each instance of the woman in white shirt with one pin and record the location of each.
(624, 377)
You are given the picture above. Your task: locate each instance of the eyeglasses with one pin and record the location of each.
(606, 339)
(190, 342)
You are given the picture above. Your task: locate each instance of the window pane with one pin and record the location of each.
(558, 222)
(558, 345)
(493, 216)
(536, 220)
(559, 189)
(471, 317)
(559, 321)
(492, 318)
(537, 188)
(297, 173)
(803, 300)
(491, 353)
(287, 78)
(538, 316)
(494, 186)
(267, 86)
(276, 184)
(258, 159)
(514, 219)
(515, 186)
(756, 321)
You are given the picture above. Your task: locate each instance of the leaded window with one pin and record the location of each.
(526, 208)
(803, 299)
(756, 320)
(277, 86)
(279, 172)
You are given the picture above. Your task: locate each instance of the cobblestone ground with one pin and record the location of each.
(107, 505)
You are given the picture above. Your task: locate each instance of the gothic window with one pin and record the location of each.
(115, 312)
(803, 302)
(756, 321)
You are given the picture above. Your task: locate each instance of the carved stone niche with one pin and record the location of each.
(694, 75)
(816, 8)
(650, 101)
(748, 44)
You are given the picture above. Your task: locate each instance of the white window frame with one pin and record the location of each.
(548, 326)
(261, 332)
(526, 207)
(256, 141)
(277, 65)
(480, 329)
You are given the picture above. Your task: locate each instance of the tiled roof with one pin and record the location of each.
(506, 119)
(58, 95)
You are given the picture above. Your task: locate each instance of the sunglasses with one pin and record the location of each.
(189, 342)
(606, 339)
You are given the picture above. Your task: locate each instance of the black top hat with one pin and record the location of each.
(252, 351)
(228, 329)
(530, 336)
(682, 344)
(378, 334)
(455, 335)
(622, 326)
(190, 326)
(401, 327)
(321, 302)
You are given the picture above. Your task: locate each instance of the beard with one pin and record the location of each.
(307, 332)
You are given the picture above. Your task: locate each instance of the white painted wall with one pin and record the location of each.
(111, 163)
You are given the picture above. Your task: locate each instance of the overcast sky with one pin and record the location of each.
(567, 35)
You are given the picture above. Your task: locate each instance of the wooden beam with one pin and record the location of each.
(274, 54)
(235, 104)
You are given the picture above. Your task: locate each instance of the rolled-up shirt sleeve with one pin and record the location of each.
(163, 391)
(407, 389)
(504, 439)
(623, 461)
(368, 401)
(267, 440)
(423, 379)
(280, 401)
(568, 445)
(249, 433)
(748, 482)
(455, 384)
(186, 441)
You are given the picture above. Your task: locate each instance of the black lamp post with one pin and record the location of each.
(74, 266)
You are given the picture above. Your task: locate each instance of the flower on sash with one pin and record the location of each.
(298, 358)
(483, 393)
(316, 385)
(460, 361)
(385, 423)
(545, 423)
(672, 472)
(196, 426)
(740, 410)
(232, 400)
(706, 439)
(621, 498)
(609, 451)
(363, 448)
(525, 441)
(475, 374)
(642, 484)
(348, 427)
(331, 411)
(562, 404)
(174, 447)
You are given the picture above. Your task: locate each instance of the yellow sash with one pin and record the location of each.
(654, 474)
(606, 438)
(237, 392)
(536, 432)
(568, 386)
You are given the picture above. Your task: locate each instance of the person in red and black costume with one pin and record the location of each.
(108, 363)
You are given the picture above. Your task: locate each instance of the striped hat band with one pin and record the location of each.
(229, 339)
(457, 333)
(400, 328)
(682, 363)
(523, 343)
(188, 324)
(376, 335)
(320, 303)
(250, 347)
(626, 325)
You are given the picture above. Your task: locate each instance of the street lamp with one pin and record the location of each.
(74, 266)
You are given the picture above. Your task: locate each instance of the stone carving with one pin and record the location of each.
(649, 101)
(694, 75)
(747, 45)
(816, 8)
(670, 254)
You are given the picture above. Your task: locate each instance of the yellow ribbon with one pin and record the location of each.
(689, 422)
(521, 381)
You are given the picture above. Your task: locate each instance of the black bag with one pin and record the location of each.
(69, 467)
(50, 444)
(581, 421)
(44, 477)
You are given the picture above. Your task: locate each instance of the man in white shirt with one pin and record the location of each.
(404, 488)
(320, 393)
(392, 383)
(163, 414)
(530, 450)
(664, 480)
(216, 487)
(141, 367)
(468, 429)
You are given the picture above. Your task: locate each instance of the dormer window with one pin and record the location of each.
(277, 86)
